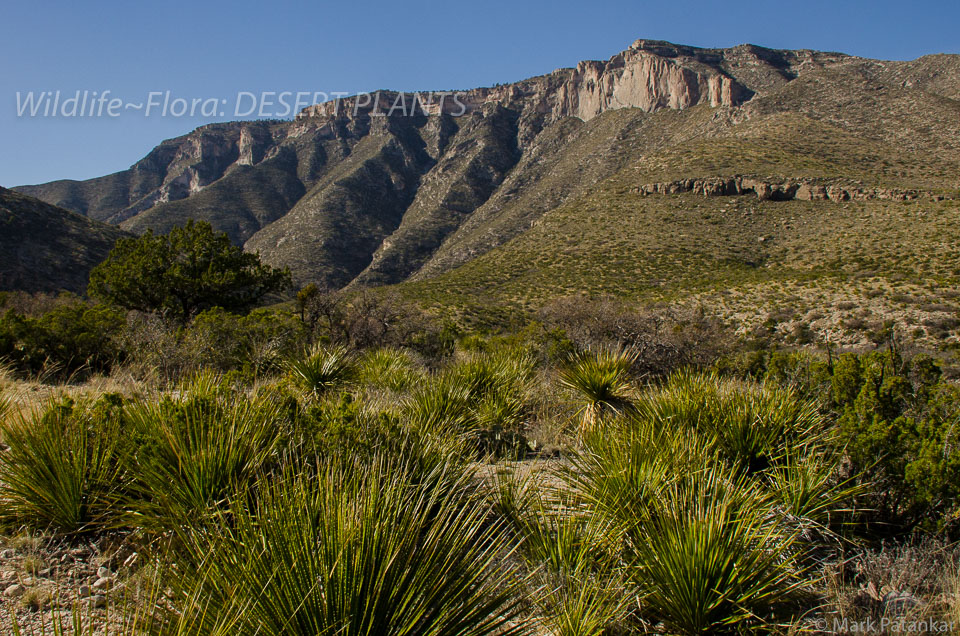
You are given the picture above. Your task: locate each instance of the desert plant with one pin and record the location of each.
(198, 448)
(324, 369)
(752, 426)
(601, 380)
(709, 556)
(390, 368)
(575, 580)
(351, 548)
(62, 469)
(481, 398)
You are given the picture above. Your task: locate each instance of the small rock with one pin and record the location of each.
(27, 580)
(97, 601)
(14, 591)
(9, 575)
(101, 584)
(67, 558)
(103, 573)
(84, 591)
(46, 572)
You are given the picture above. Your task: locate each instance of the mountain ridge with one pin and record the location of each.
(347, 195)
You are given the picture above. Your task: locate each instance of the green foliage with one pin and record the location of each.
(898, 423)
(324, 369)
(71, 339)
(710, 513)
(183, 273)
(602, 381)
(353, 547)
(254, 344)
(393, 369)
(63, 470)
(481, 397)
(710, 557)
(196, 450)
(575, 578)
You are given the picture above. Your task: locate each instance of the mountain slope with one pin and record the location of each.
(351, 192)
(44, 248)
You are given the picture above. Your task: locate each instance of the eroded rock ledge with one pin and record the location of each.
(789, 190)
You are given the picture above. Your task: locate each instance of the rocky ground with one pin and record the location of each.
(45, 581)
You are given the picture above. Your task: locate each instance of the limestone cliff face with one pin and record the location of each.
(649, 76)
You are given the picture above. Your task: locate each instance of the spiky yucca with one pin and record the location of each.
(393, 369)
(62, 470)
(601, 381)
(350, 548)
(575, 578)
(197, 449)
(710, 557)
(324, 369)
(481, 398)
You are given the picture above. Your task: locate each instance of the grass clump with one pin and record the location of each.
(63, 468)
(351, 548)
(199, 448)
(324, 369)
(393, 369)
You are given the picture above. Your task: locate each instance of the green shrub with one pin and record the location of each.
(324, 369)
(393, 369)
(353, 547)
(63, 468)
(70, 340)
(254, 344)
(196, 450)
(898, 424)
(481, 398)
(709, 557)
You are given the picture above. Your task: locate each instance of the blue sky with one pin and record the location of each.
(214, 49)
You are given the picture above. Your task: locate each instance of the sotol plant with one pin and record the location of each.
(353, 547)
(62, 470)
(601, 381)
(199, 448)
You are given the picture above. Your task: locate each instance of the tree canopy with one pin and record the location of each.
(182, 273)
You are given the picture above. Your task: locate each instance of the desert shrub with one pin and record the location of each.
(369, 319)
(389, 368)
(664, 338)
(197, 449)
(254, 344)
(63, 468)
(897, 421)
(70, 340)
(323, 369)
(711, 488)
(573, 574)
(481, 398)
(350, 547)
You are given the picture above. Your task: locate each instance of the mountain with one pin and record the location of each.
(667, 172)
(44, 248)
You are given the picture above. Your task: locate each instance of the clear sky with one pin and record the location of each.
(212, 49)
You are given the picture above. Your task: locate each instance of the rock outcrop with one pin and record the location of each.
(799, 189)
